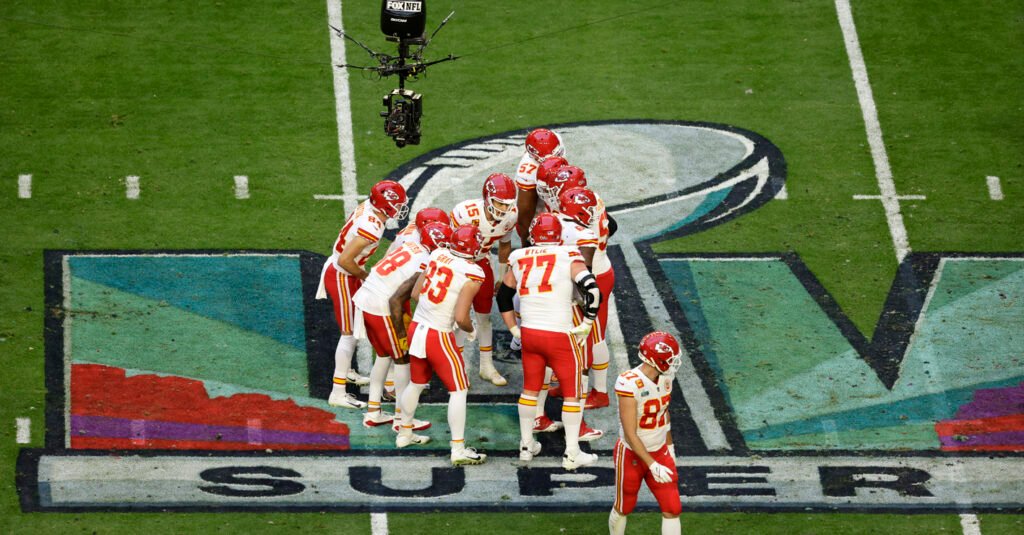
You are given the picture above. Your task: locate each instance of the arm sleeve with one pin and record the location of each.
(505, 298)
(612, 225)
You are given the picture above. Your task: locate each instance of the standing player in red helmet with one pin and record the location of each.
(644, 451)
(343, 273)
(541, 144)
(445, 293)
(495, 216)
(545, 276)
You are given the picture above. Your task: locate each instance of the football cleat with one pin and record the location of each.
(493, 376)
(578, 460)
(417, 425)
(588, 433)
(340, 398)
(543, 424)
(359, 380)
(464, 456)
(377, 418)
(527, 453)
(407, 438)
(595, 399)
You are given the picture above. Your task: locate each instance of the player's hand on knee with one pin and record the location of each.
(661, 473)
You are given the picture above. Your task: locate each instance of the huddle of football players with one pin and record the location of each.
(552, 295)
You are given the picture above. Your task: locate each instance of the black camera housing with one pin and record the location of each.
(403, 19)
(402, 116)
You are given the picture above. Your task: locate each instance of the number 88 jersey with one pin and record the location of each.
(652, 399)
(445, 276)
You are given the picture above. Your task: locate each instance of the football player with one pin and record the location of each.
(495, 216)
(644, 451)
(343, 273)
(545, 276)
(445, 293)
(373, 315)
(541, 144)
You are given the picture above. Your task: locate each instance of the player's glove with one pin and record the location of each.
(582, 331)
(515, 332)
(661, 473)
(471, 335)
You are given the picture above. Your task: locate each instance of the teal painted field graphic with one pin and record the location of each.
(793, 381)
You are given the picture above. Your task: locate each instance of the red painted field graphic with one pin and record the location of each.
(993, 421)
(112, 411)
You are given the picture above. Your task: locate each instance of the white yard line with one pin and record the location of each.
(379, 523)
(874, 130)
(131, 187)
(241, 187)
(970, 525)
(24, 186)
(24, 430)
(343, 108)
(995, 189)
(898, 197)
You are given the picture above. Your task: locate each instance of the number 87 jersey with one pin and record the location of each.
(652, 399)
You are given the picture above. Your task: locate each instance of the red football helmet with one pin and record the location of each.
(465, 242)
(435, 234)
(550, 165)
(546, 229)
(661, 350)
(499, 195)
(543, 143)
(431, 215)
(389, 197)
(563, 178)
(579, 204)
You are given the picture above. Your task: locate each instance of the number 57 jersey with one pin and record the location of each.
(652, 399)
(445, 276)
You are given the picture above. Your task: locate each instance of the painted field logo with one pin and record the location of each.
(198, 379)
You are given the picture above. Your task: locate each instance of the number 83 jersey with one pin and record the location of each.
(444, 278)
(652, 399)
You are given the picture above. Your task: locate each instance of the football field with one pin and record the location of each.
(824, 201)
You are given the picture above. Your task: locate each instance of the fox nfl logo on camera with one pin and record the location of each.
(403, 19)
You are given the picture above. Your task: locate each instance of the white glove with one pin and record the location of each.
(582, 331)
(471, 335)
(661, 473)
(515, 332)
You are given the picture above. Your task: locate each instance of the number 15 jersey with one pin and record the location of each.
(544, 282)
(652, 399)
(445, 276)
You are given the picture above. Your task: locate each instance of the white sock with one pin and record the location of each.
(485, 337)
(457, 414)
(403, 375)
(389, 379)
(526, 416)
(542, 396)
(409, 401)
(616, 523)
(572, 417)
(670, 526)
(584, 385)
(599, 372)
(343, 359)
(377, 375)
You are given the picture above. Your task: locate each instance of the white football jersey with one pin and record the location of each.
(446, 274)
(471, 212)
(363, 223)
(599, 226)
(409, 233)
(526, 172)
(545, 286)
(387, 275)
(576, 235)
(652, 399)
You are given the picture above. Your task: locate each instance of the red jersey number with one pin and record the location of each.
(655, 413)
(527, 264)
(437, 289)
(392, 262)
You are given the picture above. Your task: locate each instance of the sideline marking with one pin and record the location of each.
(969, 523)
(328, 197)
(379, 523)
(898, 197)
(24, 186)
(890, 201)
(241, 187)
(343, 107)
(24, 433)
(995, 190)
(131, 187)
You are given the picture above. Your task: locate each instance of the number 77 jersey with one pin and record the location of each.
(544, 282)
(652, 399)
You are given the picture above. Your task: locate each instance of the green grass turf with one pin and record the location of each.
(188, 95)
